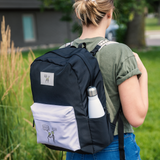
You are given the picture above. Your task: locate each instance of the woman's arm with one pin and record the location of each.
(134, 96)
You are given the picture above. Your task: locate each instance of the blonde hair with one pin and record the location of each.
(92, 11)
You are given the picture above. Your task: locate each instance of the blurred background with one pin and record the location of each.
(30, 28)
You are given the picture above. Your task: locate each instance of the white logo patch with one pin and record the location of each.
(47, 78)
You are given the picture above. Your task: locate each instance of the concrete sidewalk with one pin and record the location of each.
(153, 38)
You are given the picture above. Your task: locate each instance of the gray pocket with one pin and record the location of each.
(56, 125)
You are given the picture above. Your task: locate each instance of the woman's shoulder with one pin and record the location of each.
(116, 47)
(117, 50)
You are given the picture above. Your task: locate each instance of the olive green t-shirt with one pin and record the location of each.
(117, 64)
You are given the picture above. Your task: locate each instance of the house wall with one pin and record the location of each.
(8, 4)
(48, 27)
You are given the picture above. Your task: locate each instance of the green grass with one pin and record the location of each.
(39, 52)
(152, 24)
(147, 135)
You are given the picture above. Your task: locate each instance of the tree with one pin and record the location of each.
(154, 6)
(64, 6)
(159, 12)
(131, 15)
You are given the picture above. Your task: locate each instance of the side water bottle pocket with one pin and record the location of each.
(99, 122)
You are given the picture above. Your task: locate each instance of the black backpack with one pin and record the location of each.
(59, 83)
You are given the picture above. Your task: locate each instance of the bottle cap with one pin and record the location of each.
(92, 91)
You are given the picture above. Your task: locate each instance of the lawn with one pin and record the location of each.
(147, 135)
(38, 52)
(151, 24)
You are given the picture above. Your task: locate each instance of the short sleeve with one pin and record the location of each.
(127, 66)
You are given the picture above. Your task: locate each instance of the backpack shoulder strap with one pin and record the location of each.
(69, 44)
(118, 118)
(120, 133)
(100, 45)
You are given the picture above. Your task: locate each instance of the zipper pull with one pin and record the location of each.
(33, 122)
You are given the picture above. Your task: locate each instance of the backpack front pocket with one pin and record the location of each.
(56, 125)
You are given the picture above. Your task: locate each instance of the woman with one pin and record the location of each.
(124, 75)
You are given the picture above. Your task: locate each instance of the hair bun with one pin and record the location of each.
(92, 11)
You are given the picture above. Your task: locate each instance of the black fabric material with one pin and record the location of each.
(120, 133)
(75, 69)
(113, 127)
(87, 63)
(117, 115)
(121, 138)
(95, 50)
(81, 45)
(33, 122)
(102, 139)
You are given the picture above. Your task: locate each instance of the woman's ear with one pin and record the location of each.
(109, 14)
(108, 18)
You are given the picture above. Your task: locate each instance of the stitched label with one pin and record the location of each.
(47, 78)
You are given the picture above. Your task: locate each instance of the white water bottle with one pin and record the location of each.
(95, 108)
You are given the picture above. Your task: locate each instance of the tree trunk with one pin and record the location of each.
(159, 13)
(135, 37)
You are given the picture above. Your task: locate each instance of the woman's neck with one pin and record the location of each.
(92, 31)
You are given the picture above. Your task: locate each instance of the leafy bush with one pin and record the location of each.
(121, 34)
